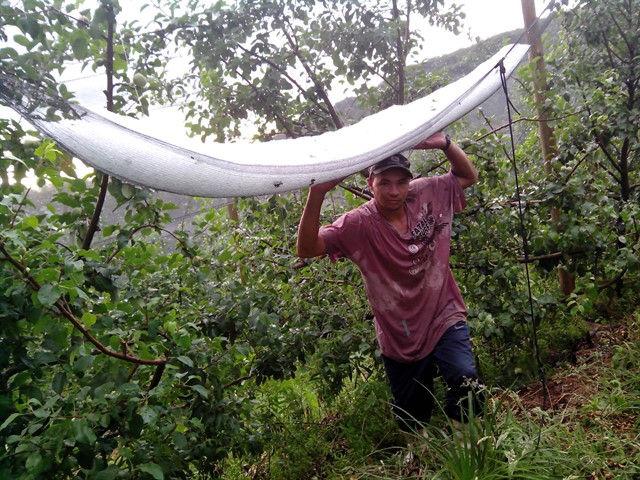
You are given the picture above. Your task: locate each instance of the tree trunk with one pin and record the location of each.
(232, 210)
(104, 178)
(545, 132)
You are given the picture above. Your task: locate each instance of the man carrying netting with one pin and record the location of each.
(400, 240)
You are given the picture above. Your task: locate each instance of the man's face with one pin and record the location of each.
(390, 189)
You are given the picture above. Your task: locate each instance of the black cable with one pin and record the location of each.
(525, 247)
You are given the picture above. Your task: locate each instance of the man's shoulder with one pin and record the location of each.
(441, 177)
(432, 182)
(348, 230)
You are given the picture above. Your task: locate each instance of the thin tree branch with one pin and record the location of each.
(66, 312)
(20, 207)
(613, 281)
(157, 376)
(142, 227)
(611, 159)
(357, 192)
(279, 118)
(527, 119)
(579, 162)
(320, 90)
(237, 381)
(95, 219)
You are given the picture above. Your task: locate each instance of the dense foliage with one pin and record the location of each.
(185, 352)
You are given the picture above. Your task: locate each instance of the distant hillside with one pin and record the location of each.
(453, 66)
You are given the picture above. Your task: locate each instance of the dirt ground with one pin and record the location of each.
(578, 382)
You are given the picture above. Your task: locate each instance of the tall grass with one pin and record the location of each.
(354, 435)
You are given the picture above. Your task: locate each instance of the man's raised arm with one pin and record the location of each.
(309, 243)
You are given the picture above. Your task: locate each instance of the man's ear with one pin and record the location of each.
(370, 180)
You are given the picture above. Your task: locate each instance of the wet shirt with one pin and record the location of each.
(407, 277)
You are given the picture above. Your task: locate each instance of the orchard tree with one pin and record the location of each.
(597, 69)
(592, 106)
(277, 64)
(128, 357)
(140, 355)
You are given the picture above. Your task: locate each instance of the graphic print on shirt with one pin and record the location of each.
(425, 233)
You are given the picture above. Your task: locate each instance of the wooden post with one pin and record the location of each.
(545, 132)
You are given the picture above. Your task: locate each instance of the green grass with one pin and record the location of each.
(591, 433)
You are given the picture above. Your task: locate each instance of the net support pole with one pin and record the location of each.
(545, 132)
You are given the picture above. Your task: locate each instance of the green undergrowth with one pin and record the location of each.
(590, 431)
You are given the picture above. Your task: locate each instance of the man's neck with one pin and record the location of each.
(397, 218)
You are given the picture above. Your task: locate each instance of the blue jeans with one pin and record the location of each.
(412, 383)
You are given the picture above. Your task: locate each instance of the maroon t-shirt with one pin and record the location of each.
(409, 283)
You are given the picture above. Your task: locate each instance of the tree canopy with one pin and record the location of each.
(134, 347)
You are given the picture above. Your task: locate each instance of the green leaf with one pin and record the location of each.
(22, 40)
(136, 424)
(80, 47)
(59, 380)
(153, 469)
(9, 420)
(128, 191)
(8, 53)
(103, 390)
(83, 363)
(31, 72)
(109, 474)
(41, 414)
(33, 462)
(30, 222)
(186, 360)
(82, 432)
(49, 294)
(11, 439)
(48, 275)
(203, 392)
(44, 358)
(149, 414)
(88, 319)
